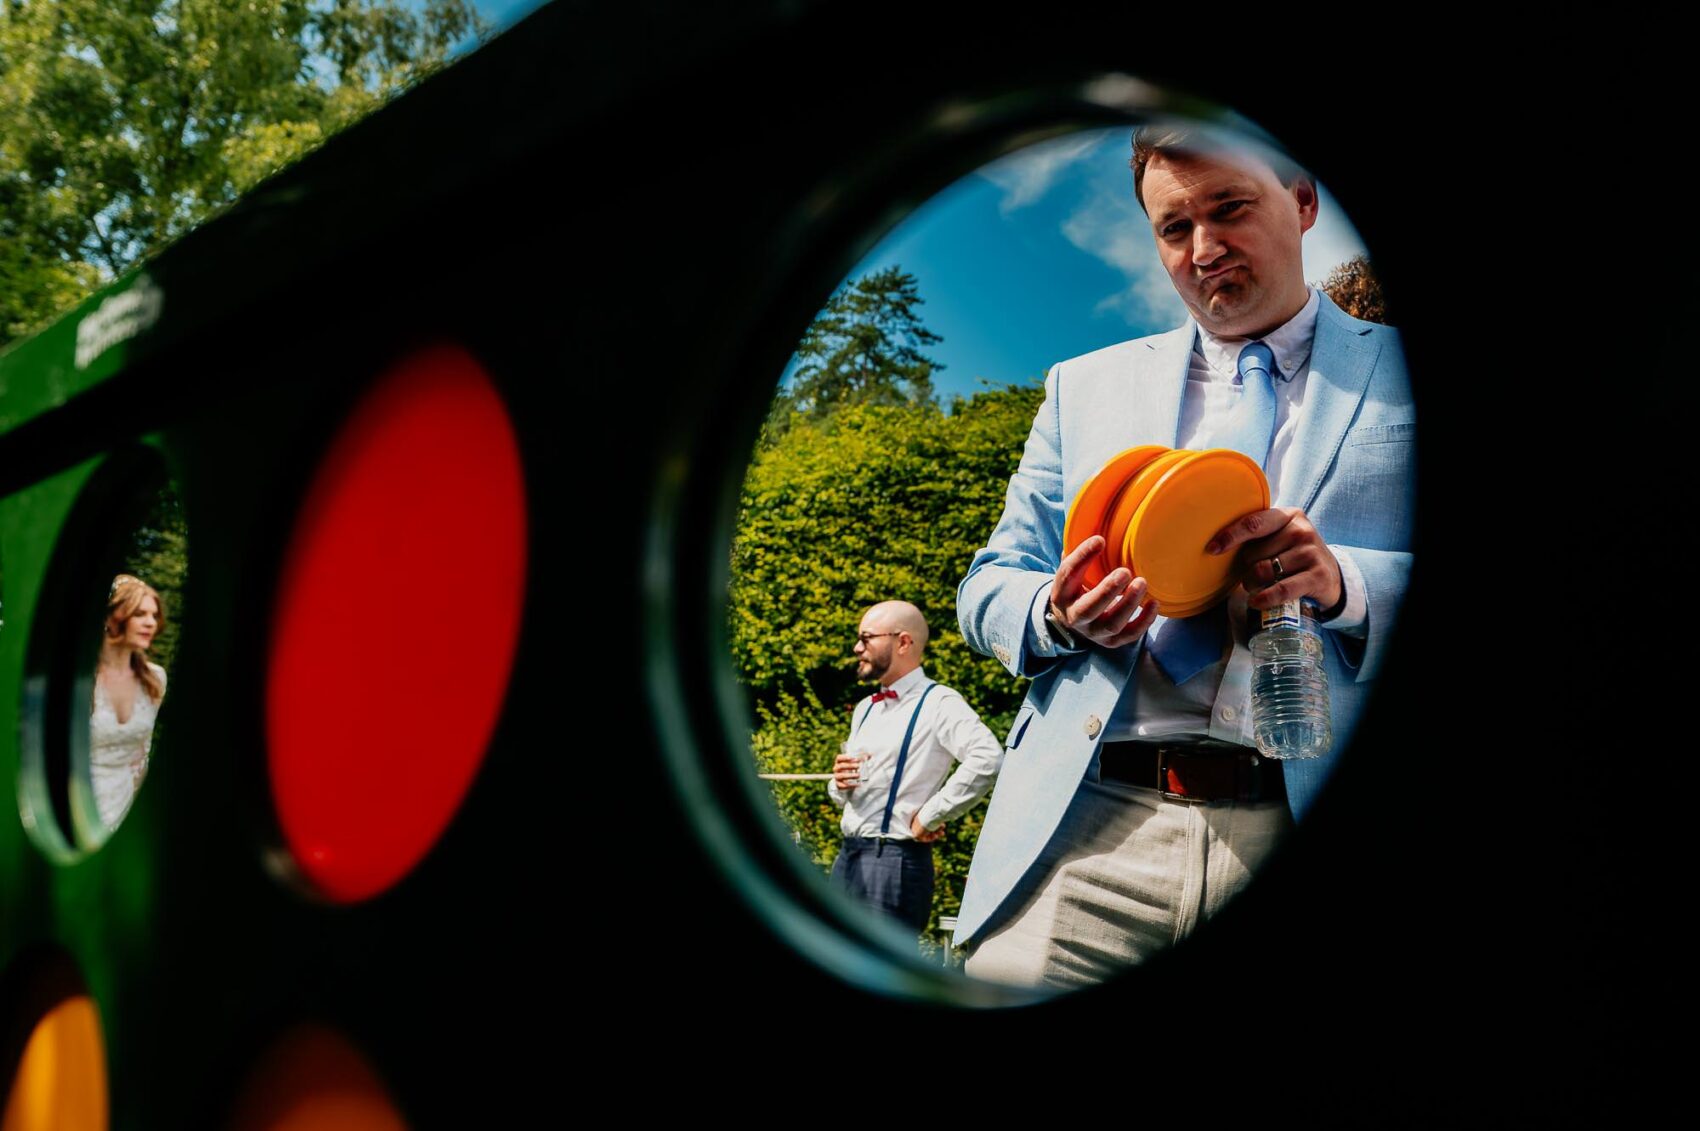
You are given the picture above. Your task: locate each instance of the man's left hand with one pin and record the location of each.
(920, 833)
(1282, 558)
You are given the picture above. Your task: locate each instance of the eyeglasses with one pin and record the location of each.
(864, 637)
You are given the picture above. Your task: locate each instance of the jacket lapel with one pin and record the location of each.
(1341, 360)
(1155, 417)
(1136, 400)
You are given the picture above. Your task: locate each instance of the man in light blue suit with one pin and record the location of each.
(1132, 803)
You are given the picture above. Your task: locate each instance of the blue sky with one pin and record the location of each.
(505, 13)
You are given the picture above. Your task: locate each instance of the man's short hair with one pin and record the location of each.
(1191, 141)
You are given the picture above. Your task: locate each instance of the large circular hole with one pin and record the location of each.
(865, 488)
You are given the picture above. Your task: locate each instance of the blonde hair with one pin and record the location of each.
(126, 596)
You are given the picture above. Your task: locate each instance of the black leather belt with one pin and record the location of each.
(878, 844)
(1194, 771)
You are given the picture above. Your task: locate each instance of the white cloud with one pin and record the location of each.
(1026, 177)
(1109, 226)
(1331, 241)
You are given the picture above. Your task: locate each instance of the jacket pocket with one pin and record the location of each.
(1382, 434)
(1022, 718)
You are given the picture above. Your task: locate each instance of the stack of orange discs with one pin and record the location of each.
(1157, 508)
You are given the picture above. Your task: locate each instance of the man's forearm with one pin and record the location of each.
(1384, 576)
(979, 755)
(1002, 609)
(998, 602)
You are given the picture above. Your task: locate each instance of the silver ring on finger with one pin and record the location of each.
(1279, 572)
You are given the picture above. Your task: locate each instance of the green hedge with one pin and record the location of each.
(871, 503)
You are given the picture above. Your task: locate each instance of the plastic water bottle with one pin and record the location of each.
(1289, 687)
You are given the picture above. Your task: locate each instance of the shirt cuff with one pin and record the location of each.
(1352, 617)
(1041, 642)
(929, 815)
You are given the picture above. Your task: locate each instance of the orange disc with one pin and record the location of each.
(1195, 497)
(1087, 512)
(1127, 505)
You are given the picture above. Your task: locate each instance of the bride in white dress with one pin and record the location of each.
(127, 693)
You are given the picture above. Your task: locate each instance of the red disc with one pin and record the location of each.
(395, 623)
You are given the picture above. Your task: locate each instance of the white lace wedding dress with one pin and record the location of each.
(118, 751)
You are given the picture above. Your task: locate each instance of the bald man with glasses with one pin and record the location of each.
(893, 779)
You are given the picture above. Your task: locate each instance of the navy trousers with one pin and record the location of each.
(895, 876)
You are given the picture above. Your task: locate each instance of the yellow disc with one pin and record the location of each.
(1127, 505)
(60, 1082)
(1193, 500)
(1086, 513)
(1191, 609)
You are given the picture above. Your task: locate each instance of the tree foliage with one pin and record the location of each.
(865, 348)
(158, 553)
(124, 123)
(1355, 289)
(869, 503)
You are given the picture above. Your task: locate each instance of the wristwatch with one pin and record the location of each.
(1058, 633)
(1337, 608)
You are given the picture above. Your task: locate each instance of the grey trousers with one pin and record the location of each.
(1127, 873)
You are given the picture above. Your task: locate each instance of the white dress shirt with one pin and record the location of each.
(1217, 701)
(947, 730)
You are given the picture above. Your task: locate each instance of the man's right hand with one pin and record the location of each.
(847, 771)
(1112, 613)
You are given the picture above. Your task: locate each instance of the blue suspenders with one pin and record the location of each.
(902, 757)
(861, 720)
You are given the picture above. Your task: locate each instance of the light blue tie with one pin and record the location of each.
(1251, 426)
(1183, 648)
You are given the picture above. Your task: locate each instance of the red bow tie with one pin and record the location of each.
(885, 694)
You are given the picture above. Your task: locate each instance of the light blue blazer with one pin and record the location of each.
(1354, 477)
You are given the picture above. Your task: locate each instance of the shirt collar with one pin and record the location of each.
(911, 682)
(1291, 343)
